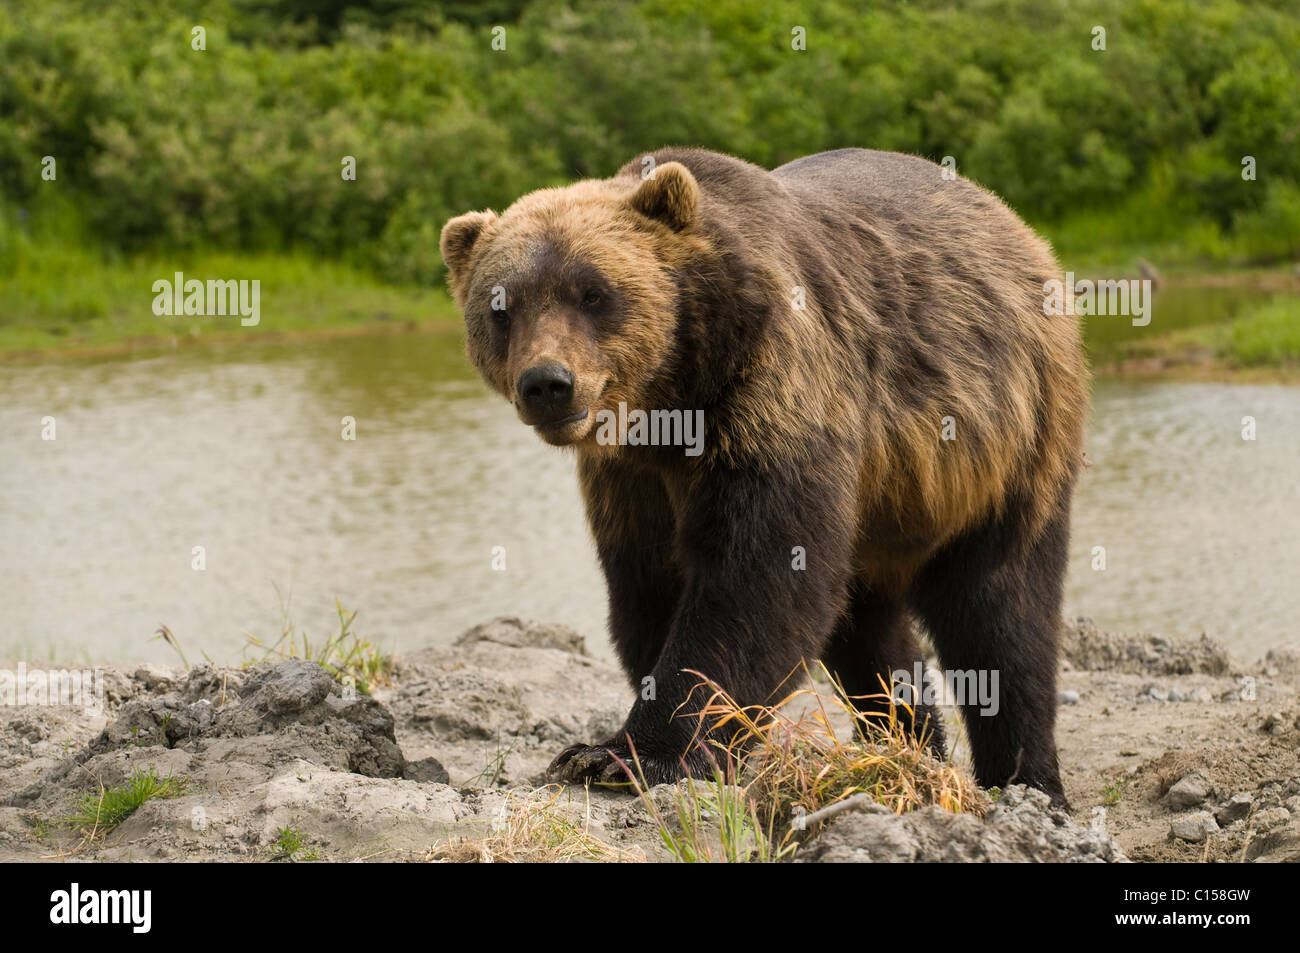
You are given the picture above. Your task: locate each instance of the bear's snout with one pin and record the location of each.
(545, 393)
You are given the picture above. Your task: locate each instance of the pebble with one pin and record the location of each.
(1194, 827)
(1271, 818)
(1235, 808)
(1190, 791)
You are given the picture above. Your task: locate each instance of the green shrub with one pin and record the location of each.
(239, 146)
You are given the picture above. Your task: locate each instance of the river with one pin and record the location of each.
(240, 451)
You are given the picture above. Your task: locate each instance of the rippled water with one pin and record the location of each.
(239, 451)
(1201, 528)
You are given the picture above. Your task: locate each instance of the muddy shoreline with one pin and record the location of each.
(1170, 750)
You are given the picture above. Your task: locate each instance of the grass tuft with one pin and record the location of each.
(344, 654)
(100, 812)
(291, 845)
(781, 770)
(1113, 791)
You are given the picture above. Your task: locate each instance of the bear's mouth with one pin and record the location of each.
(571, 419)
(553, 429)
(563, 421)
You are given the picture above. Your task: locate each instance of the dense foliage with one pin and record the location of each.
(240, 145)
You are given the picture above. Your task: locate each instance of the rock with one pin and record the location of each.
(1069, 698)
(460, 705)
(517, 633)
(154, 678)
(1155, 692)
(1279, 844)
(294, 707)
(1194, 827)
(1021, 826)
(293, 685)
(1272, 818)
(1190, 791)
(375, 753)
(1234, 809)
(427, 770)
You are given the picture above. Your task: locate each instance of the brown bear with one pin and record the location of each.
(892, 429)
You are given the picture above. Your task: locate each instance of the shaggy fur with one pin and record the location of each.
(827, 317)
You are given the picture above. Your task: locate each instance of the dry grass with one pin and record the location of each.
(1172, 766)
(778, 765)
(775, 768)
(535, 827)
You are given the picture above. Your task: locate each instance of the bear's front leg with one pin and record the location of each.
(765, 562)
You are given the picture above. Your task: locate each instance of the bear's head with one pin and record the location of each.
(572, 296)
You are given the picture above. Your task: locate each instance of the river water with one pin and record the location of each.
(239, 451)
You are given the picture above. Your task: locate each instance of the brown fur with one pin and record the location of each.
(923, 301)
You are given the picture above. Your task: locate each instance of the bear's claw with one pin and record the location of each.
(612, 765)
(597, 764)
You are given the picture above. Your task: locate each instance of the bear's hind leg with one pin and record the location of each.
(991, 601)
(873, 640)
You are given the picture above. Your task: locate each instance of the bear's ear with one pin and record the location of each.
(459, 236)
(670, 195)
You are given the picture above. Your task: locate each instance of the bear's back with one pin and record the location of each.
(864, 172)
(893, 189)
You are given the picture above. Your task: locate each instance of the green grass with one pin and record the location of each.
(1156, 221)
(1266, 337)
(1260, 333)
(345, 654)
(59, 291)
(491, 774)
(101, 811)
(291, 845)
(715, 822)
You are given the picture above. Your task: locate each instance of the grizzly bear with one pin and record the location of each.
(893, 424)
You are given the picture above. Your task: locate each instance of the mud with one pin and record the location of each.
(1171, 750)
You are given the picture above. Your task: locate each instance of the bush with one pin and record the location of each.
(240, 145)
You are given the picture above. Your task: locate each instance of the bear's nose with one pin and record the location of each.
(546, 388)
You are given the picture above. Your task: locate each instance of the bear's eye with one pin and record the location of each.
(500, 317)
(591, 298)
